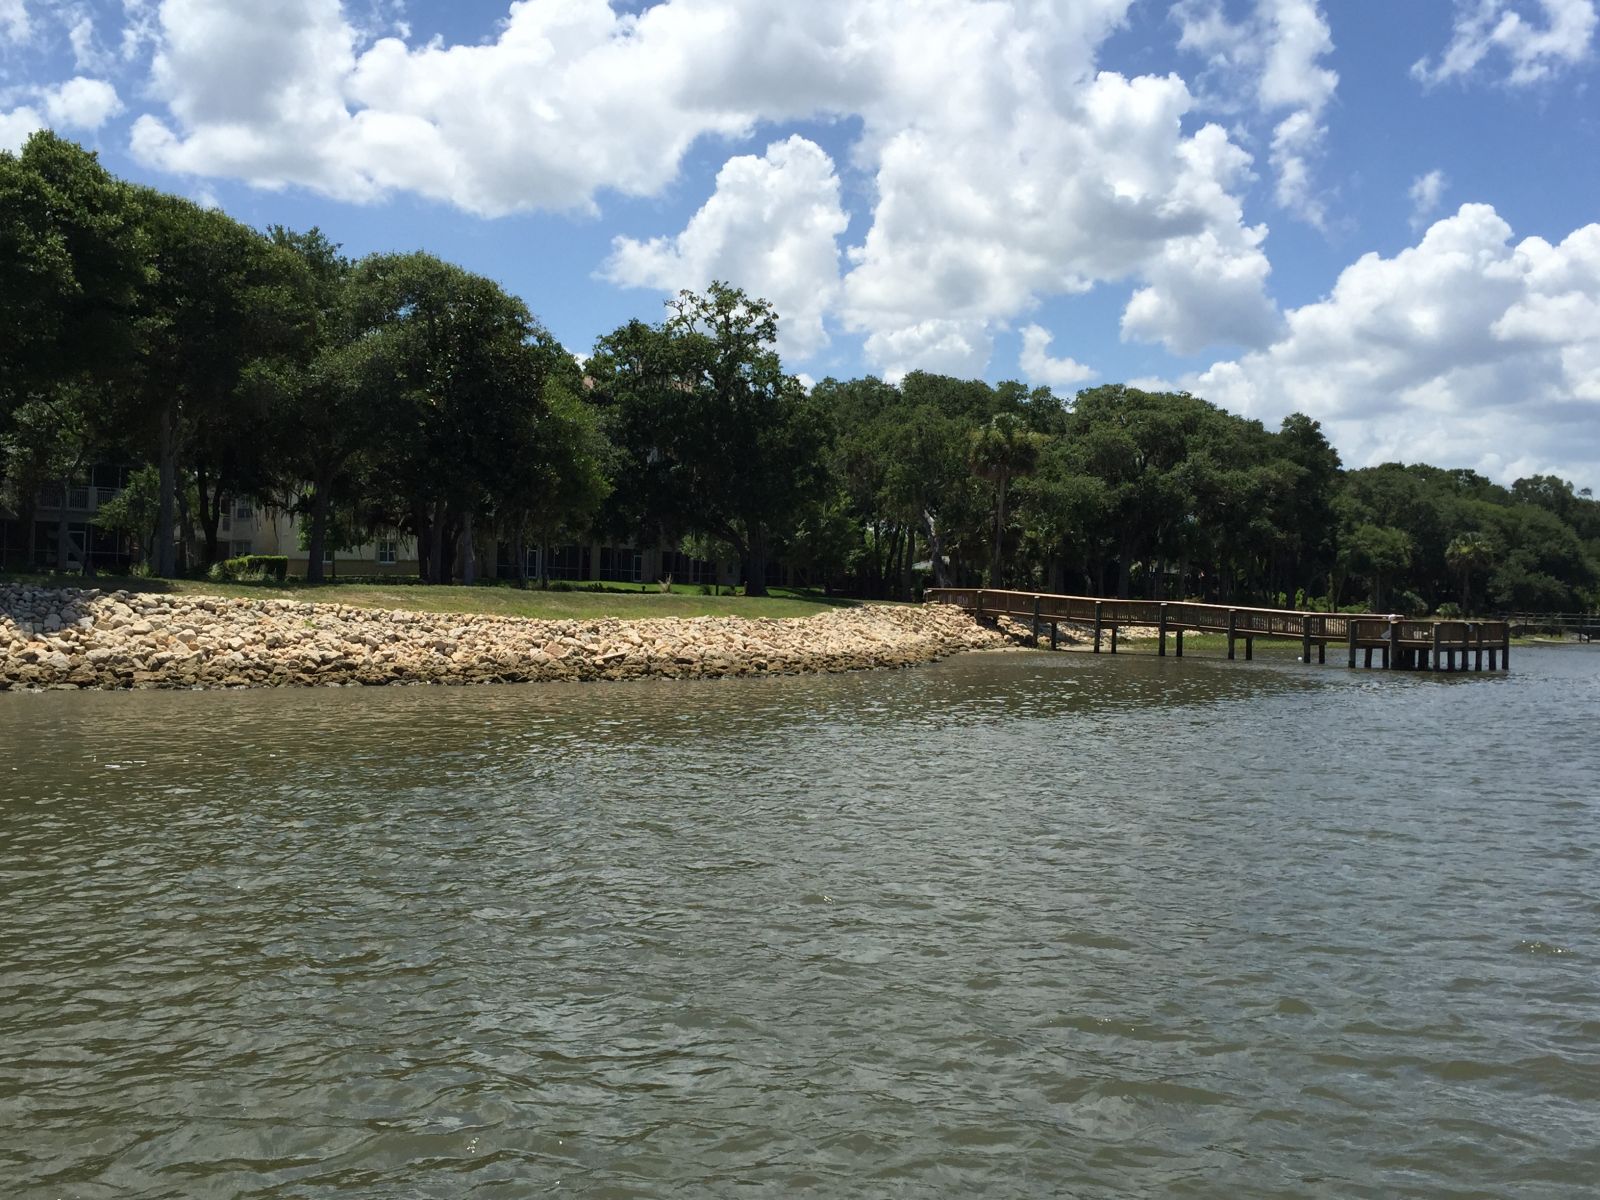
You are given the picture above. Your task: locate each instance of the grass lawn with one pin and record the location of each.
(497, 599)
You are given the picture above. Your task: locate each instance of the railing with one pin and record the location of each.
(1371, 632)
(78, 499)
(1585, 625)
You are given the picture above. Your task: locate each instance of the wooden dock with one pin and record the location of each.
(1582, 626)
(1397, 643)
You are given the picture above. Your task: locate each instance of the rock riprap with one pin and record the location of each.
(55, 638)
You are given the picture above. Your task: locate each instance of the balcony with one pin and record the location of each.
(79, 499)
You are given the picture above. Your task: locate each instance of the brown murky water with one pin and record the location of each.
(1013, 925)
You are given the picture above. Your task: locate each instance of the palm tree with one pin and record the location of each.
(1466, 553)
(1000, 451)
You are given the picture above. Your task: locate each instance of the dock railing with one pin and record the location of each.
(1398, 642)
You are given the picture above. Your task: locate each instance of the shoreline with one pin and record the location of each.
(87, 639)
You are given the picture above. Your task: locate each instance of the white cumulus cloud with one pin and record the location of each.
(1535, 45)
(771, 227)
(1465, 348)
(78, 104)
(1002, 167)
(17, 125)
(15, 25)
(1426, 191)
(81, 103)
(1039, 367)
(1271, 62)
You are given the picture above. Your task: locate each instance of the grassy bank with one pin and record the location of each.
(493, 599)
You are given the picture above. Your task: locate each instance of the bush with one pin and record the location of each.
(252, 568)
(1448, 611)
(560, 585)
(1409, 603)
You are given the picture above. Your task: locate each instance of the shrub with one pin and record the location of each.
(1409, 603)
(561, 585)
(1449, 611)
(252, 568)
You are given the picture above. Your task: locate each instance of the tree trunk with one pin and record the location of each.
(317, 545)
(185, 531)
(436, 569)
(210, 513)
(907, 553)
(166, 550)
(999, 531)
(63, 537)
(753, 557)
(520, 549)
(941, 572)
(469, 552)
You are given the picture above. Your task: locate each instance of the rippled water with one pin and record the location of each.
(1014, 925)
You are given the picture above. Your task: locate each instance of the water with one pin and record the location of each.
(1013, 925)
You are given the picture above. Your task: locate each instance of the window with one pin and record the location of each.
(243, 511)
(621, 566)
(240, 549)
(327, 555)
(386, 554)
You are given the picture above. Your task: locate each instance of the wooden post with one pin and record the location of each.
(1478, 665)
(1392, 659)
(1097, 607)
(1179, 637)
(1368, 663)
(1055, 633)
(1305, 639)
(1505, 648)
(980, 604)
(1113, 639)
(1161, 625)
(1322, 646)
(1385, 661)
(1350, 637)
(1033, 630)
(1437, 666)
(1233, 625)
(1249, 648)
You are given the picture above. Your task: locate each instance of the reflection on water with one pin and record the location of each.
(1016, 924)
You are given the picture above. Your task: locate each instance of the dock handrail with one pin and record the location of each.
(1396, 637)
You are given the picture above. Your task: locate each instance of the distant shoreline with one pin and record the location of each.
(68, 638)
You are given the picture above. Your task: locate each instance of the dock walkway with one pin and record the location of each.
(1399, 643)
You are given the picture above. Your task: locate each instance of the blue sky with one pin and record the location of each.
(1383, 215)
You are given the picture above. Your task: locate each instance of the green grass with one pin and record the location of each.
(496, 599)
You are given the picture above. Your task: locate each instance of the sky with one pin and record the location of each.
(1385, 215)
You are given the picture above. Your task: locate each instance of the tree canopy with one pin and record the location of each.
(404, 395)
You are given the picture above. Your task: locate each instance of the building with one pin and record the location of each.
(247, 528)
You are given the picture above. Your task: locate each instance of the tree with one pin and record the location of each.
(72, 259)
(716, 439)
(471, 368)
(1379, 553)
(1000, 451)
(1468, 553)
(133, 512)
(561, 480)
(214, 308)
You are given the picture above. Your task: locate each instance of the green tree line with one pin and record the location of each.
(401, 394)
